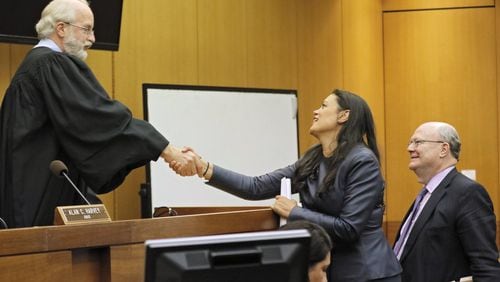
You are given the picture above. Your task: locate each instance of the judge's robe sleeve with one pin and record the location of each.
(98, 134)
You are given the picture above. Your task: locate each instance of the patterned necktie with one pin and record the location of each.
(410, 220)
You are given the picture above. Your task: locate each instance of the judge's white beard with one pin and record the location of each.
(74, 47)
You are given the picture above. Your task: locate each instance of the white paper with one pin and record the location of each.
(286, 191)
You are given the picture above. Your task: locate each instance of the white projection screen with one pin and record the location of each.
(251, 131)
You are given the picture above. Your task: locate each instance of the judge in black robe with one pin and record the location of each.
(55, 109)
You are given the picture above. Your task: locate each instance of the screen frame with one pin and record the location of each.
(155, 248)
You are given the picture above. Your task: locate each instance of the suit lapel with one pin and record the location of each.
(427, 211)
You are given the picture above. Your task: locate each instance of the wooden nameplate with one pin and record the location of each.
(80, 214)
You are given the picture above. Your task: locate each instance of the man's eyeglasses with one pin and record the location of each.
(87, 30)
(418, 142)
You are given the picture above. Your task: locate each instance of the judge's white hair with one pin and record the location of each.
(56, 11)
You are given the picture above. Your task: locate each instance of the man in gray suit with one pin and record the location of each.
(450, 230)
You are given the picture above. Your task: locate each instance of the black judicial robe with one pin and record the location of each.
(54, 109)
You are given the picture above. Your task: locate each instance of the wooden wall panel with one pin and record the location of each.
(363, 57)
(167, 52)
(17, 54)
(497, 35)
(438, 66)
(340, 46)
(43, 267)
(272, 43)
(4, 68)
(101, 63)
(10, 58)
(123, 262)
(91, 264)
(158, 45)
(223, 43)
(132, 50)
(397, 5)
(320, 64)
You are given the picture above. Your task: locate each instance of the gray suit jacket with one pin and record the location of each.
(351, 211)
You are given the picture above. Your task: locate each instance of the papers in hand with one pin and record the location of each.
(286, 191)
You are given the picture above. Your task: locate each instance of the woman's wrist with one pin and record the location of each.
(208, 171)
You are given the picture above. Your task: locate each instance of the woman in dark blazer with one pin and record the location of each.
(341, 188)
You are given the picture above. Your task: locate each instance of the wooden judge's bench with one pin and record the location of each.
(113, 251)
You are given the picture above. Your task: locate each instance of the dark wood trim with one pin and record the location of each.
(53, 238)
(112, 251)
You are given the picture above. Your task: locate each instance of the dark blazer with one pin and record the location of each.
(454, 236)
(351, 211)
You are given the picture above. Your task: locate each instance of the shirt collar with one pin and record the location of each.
(49, 44)
(436, 179)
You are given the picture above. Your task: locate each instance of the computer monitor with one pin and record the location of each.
(275, 256)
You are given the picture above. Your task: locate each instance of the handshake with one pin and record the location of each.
(186, 162)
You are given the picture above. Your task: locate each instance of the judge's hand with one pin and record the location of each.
(184, 161)
(283, 206)
(203, 169)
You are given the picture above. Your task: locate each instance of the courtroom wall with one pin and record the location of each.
(371, 47)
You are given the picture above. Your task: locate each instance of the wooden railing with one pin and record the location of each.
(112, 251)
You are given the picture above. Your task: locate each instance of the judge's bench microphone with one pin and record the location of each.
(59, 169)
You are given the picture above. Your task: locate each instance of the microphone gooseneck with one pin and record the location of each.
(3, 224)
(59, 169)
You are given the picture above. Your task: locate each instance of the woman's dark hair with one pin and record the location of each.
(359, 128)
(320, 244)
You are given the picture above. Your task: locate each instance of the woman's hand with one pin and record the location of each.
(283, 206)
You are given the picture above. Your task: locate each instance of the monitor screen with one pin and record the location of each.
(19, 17)
(277, 256)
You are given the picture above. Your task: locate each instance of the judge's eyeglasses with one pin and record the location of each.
(87, 30)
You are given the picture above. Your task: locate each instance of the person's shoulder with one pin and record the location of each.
(465, 185)
(360, 151)
(45, 53)
(42, 53)
(43, 57)
(35, 61)
(46, 58)
(464, 191)
(360, 156)
(459, 178)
